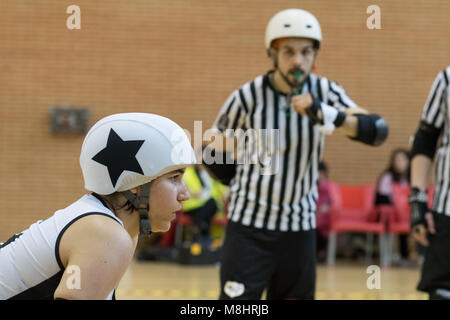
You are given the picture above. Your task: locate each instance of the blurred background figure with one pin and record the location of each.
(431, 226)
(323, 213)
(397, 172)
(207, 199)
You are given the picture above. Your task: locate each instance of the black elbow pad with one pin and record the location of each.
(372, 129)
(425, 140)
(224, 171)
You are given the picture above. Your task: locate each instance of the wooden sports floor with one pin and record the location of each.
(345, 281)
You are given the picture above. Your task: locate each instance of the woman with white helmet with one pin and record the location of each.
(133, 163)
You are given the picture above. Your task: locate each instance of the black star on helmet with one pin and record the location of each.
(119, 155)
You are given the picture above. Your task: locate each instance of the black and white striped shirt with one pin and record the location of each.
(285, 200)
(436, 112)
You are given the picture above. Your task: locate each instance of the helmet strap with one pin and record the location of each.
(142, 204)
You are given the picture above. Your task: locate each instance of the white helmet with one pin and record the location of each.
(126, 150)
(292, 23)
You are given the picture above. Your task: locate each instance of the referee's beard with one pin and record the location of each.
(296, 82)
(287, 82)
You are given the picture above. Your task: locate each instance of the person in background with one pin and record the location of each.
(431, 226)
(397, 172)
(206, 200)
(270, 237)
(323, 213)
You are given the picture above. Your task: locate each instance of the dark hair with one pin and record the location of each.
(396, 176)
(128, 204)
(323, 167)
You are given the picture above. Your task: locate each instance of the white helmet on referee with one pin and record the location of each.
(126, 150)
(292, 23)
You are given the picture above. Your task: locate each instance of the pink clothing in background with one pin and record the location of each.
(385, 185)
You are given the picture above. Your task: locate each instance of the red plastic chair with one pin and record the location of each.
(430, 196)
(168, 238)
(398, 214)
(399, 219)
(352, 210)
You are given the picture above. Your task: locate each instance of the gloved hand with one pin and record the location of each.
(318, 112)
(421, 220)
(418, 203)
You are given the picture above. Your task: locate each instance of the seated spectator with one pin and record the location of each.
(397, 172)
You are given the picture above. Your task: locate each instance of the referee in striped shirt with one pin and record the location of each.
(270, 237)
(432, 229)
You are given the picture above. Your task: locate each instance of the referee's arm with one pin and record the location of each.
(350, 125)
(224, 148)
(355, 122)
(422, 155)
(219, 149)
(420, 168)
(427, 135)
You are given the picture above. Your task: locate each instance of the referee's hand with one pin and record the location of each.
(301, 102)
(420, 232)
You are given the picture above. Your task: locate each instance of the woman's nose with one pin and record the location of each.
(184, 193)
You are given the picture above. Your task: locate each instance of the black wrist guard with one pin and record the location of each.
(313, 111)
(372, 129)
(329, 114)
(418, 202)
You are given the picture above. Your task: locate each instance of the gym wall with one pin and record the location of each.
(181, 59)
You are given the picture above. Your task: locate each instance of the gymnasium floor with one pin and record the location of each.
(345, 281)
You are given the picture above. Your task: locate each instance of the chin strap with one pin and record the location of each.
(142, 205)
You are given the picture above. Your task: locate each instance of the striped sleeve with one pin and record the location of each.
(434, 111)
(337, 97)
(231, 115)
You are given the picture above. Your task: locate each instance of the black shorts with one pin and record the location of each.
(436, 266)
(253, 259)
